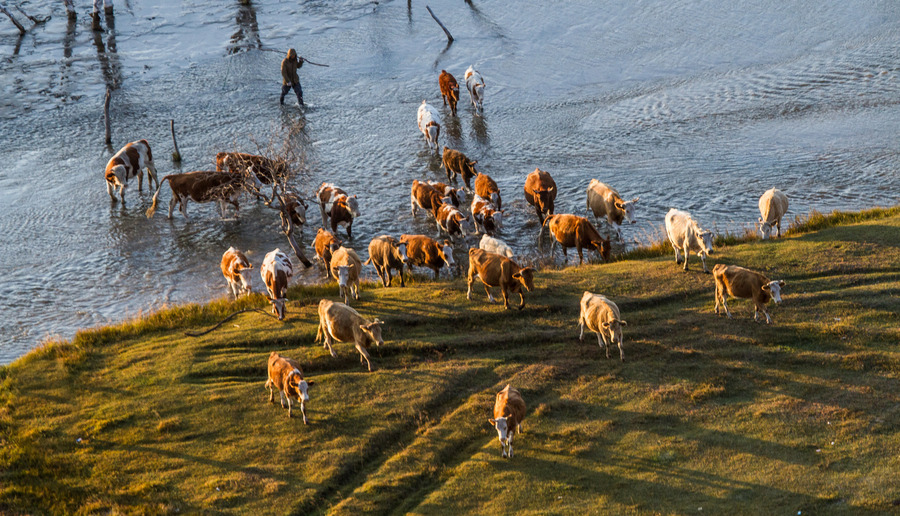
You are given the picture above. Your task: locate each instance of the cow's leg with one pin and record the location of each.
(122, 193)
(356, 290)
(509, 439)
(290, 407)
(364, 354)
(703, 261)
(521, 300)
(413, 206)
(140, 176)
(488, 290)
(677, 253)
(151, 175)
(349, 227)
(725, 302)
(470, 279)
(303, 411)
(183, 206)
(601, 340)
(270, 386)
(400, 274)
(718, 293)
(387, 271)
(581, 328)
(778, 225)
(766, 313)
(282, 398)
(580, 255)
(687, 254)
(328, 341)
(110, 189)
(380, 275)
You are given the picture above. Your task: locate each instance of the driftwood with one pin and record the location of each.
(33, 19)
(447, 32)
(18, 25)
(70, 8)
(176, 156)
(106, 118)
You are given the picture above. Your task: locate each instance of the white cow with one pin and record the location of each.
(495, 245)
(276, 272)
(601, 316)
(772, 206)
(475, 85)
(430, 124)
(236, 269)
(686, 235)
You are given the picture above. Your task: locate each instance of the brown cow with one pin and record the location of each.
(457, 195)
(509, 411)
(486, 215)
(276, 272)
(449, 90)
(424, 196)
(456, 163)
(577, 232)
(540, 192)
(286, 375)
(422, 251)
(201, 186)
(236, 269)
(386, 253)
(499, 271)
(338, 322)
(129, 162)
(335, 204)
(741, 282)
(487, 188)
(322, 244)
(452, 221)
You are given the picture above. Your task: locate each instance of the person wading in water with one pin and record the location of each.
(289, 67)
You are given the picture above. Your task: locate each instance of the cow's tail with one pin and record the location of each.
(368, 262)
(541, 234)
(152, 209)
(320, 333)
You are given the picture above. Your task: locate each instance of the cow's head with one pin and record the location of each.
(614, 326)
(526, 278)
(296, 208)
(278, 306)
(465, 224)
(765, 228)
(497, 218)
(343, 273)
(400, 251)
(373, 331)
(495, 199)
(353, 205)
(773, 288)
(298, 386)
(603, 247)
(244, 273)
(543, 198)
(627, 207)
(706, 242)
(469, 167)
(447, 251)
(502, 426)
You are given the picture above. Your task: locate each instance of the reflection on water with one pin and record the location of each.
(247, 35)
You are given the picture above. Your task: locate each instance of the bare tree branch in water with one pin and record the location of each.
(18, 25)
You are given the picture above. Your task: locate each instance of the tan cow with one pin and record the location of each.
(456, 163)
(686, 235)
(741, 282)
(772, 206)
(495, 270)
(346, 268)
(386, 253)
(276, 271)
(449, 90)
(236, 269)
(488, 189)
(338, 322)
(577, 232)
(323, 245)
(601, 316)
(604, 201)
(509, 411)
(286, 375)
(129, 162)
(201, 186)
(423, 251)
(540, 192)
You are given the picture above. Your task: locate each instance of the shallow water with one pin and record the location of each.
(695, 105)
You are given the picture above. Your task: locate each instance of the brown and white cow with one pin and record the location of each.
(286, 375)
(741, 282)
(686, 235)
(386, 253)
(509, 411)
(429, 123)
(603, 200)
(449, 90)
(487, 188)
(423, 251)
(475, 85)
(486, 215)
(601, 316)
(276, 271)
(577, 232)
(495, 245)
(425, 197)
(346, 268)
(457, 195)
(323, 246)
(772, 206)
(200, 186)
(540, 192)
(336, 205)
(499, 271)
(453, 222)
(338, 322)
(129, 162)
(236, 269)
(457, 164)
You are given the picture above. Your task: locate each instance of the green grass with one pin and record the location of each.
(728, 415)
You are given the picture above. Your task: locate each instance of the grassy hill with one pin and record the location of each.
(706, 416)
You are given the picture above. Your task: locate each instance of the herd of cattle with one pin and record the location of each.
(492, 262)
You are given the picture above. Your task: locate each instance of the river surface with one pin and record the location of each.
(700, 105)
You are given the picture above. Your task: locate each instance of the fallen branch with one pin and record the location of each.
(447, 32)
(223, 321)
(32, 18)
(18, 25)
(106, 118)
(176, 156)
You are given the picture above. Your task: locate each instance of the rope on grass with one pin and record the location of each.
(223, 321)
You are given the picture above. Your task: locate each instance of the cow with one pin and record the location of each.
(423, 251)
(323, 245)
(286, 375)
(236, 269)
(276, 272)
(509, 411)
(457, 195)
(338, 322)
(486, 215)
(475, 85)
(686, 235)
(457, 164)
(604, 200)
(424, 196)
(499, 271)
(429, 123)
(495, 245)
(201, 186)
(130, 161)
(487, 188)
(386, 253)
(452, 221)
(449, 90)
(540, 192)
(577, 232)
(601, 316)
(336, 205)
(262, 170)
(772, 206)
(741, 282)
(346, 268)
(296, 208)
